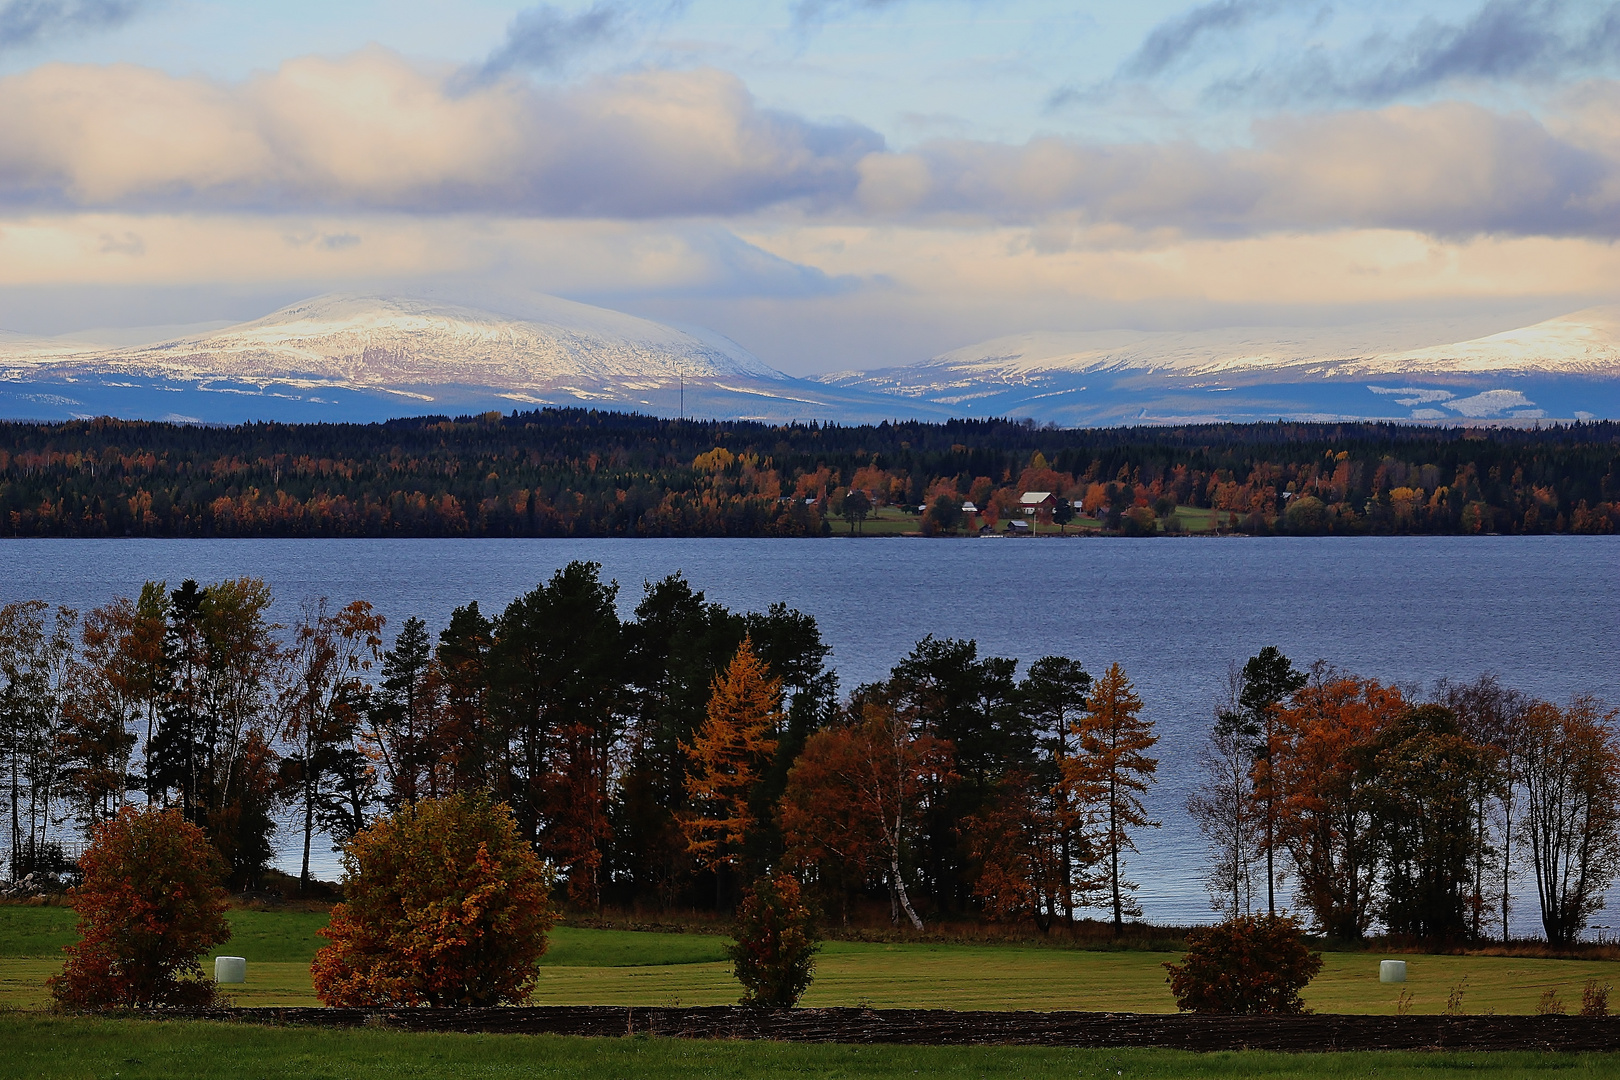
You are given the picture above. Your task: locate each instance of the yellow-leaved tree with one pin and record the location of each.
(727, 756)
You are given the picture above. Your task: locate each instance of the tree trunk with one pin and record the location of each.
(1113, 858)
(900, 891)
(309, 825)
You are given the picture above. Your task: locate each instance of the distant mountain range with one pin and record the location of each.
(364, 358)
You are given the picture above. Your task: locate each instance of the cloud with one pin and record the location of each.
(1451, 169)
(1173, 40)
(27, 22)
(1528, 41)
(1535, 41)
(545, 38)
(807, 12)
(369, 131)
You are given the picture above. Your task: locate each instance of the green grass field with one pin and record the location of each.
(624, 967)
(49, 1047)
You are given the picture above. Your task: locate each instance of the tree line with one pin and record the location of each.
(672, 757)
(1376, 805)
(571, 472)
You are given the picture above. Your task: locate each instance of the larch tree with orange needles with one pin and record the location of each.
(1112, 771)
(727, 757)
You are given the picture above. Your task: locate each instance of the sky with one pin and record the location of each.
(835, 184)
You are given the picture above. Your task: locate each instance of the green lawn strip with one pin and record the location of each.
(49, 1047)
(36, 931)
(625, 967)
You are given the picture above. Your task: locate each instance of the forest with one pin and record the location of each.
(664, 760)
(578, 473)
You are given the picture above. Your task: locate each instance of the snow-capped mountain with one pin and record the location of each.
(370, 357)
(349, 358)
(1563, 368)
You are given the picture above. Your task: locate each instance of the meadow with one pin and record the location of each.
(588, 966)
(47, 1047)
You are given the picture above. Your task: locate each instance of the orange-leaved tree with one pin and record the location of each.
(444, 905)
(1111, 772)
(1326, 771)
(727, 756)
(150, 905)
(857, 791)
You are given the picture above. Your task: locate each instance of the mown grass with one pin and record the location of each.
(49, 1047)
(626, 967)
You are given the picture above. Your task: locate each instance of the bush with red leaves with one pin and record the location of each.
(150, 906)
(1253, 964)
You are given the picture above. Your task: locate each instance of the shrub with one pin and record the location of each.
(1595, 998)
(1138, 521)
(1249, 965)
(150, 905)
(445, 905)
(776, 946)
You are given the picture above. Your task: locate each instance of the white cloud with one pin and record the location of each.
(370, 131)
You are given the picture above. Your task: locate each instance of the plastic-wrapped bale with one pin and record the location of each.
(230, 969)
(1392, 971)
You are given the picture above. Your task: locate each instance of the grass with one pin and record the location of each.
(50, 1047)
(626, 967)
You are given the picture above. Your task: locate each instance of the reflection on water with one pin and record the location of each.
(1543, 613)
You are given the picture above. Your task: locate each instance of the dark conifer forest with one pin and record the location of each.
(562, 472)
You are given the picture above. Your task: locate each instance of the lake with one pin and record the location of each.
(1542, 613)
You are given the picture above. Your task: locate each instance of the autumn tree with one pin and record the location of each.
(830, 837)
(862, 788)
(115, 694)
(321, 707)
(149, 907)
(1324, 763)
(728, 756)
(444, 905)
(1112, 771)
(1571, 774)
(1023, 854)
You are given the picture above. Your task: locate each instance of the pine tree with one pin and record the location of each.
(728, 755)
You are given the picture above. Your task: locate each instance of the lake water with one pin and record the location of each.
(1543, 613)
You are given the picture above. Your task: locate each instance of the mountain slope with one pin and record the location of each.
(371, 357)
(1568, 367)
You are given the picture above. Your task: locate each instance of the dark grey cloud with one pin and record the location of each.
(544, 38)
(1535, 41)
(28, 22)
